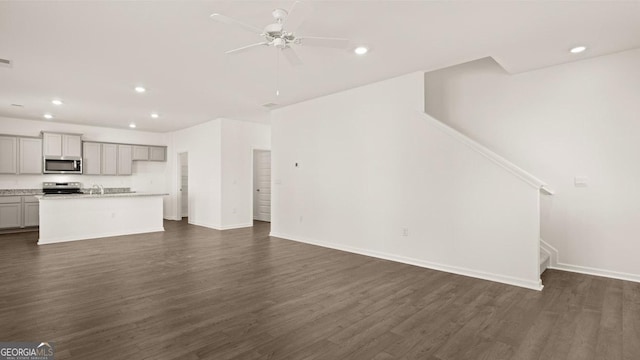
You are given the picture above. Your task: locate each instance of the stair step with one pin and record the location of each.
(544, 261)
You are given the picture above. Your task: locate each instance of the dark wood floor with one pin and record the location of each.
(195, 293)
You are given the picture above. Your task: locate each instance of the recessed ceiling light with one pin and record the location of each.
(48, 116)
(56, 102)
(140, 89)
(155, 115)
(578, 49)
(361, 50)
(132, 125)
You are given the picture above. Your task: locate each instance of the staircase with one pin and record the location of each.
(545, 259)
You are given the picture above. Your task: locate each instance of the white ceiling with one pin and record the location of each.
(92, 54)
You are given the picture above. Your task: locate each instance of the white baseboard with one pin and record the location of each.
(596, 272)
(220, 227)
(557, 265)
(236, 226)
(207, 225)
(534, 285)
(99, 235)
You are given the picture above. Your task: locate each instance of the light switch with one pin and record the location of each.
(580, 181)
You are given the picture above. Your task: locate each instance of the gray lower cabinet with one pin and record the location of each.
(10, 212)
(30, 211)
(10, 216)
(19, 212)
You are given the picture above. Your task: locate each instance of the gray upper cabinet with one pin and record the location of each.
(30, 159)
(52, 144)
(55, 144)
(157, 153)
(117, 159)
(8, 155)
(150, 153)
(124, 159)
(71, 145)
(92, 158)
(109, 159)
(20, 155)
(140, 152)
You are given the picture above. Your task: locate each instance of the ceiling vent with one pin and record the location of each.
(5, 62)
(270, 105)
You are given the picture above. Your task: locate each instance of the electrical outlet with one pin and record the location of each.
(405, 231)
(301, 218)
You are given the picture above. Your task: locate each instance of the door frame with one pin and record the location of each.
(178, 208)
(253, 153)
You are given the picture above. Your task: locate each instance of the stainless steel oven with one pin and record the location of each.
(62, 165)
(61, 188)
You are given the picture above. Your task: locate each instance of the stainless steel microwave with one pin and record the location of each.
(62, 165)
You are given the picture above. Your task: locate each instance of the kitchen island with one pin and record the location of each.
(83, 216)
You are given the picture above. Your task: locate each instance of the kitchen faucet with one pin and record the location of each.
(100, 187)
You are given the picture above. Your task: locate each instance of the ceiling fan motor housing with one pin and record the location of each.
(273, 30)
(279, 14)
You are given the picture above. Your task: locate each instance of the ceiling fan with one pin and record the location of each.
(281, 34)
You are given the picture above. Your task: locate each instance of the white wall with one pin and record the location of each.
(576, 119)
(239, 138)
(146, 176)
(220, 171)
(369, 165)
(204, 145)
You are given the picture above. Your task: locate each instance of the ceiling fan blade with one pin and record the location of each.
(245, 48)
(291, 56)
(297, 14)
(231, 21)
(324, 42)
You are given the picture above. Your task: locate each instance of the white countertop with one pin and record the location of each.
(96, 196)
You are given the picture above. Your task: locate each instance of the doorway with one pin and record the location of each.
(183, 207)
(262, 185)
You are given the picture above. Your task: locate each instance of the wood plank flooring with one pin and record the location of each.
(194, 293)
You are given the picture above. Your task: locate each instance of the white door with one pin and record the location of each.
(184, 185)
(262, 185)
